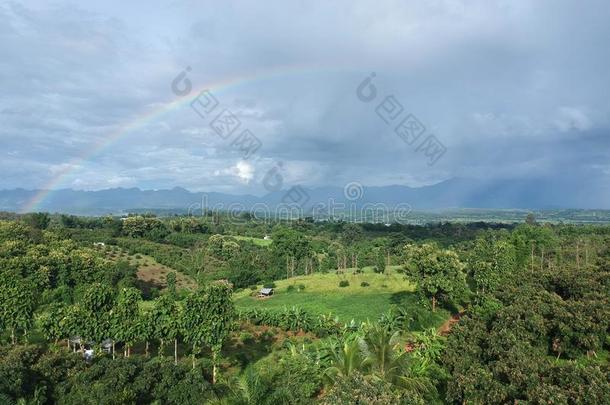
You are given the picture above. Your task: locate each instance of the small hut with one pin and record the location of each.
(265, 292)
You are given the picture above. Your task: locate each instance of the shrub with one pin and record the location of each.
(355, 388)
(138, 257)
(253, 287)
(289, 379)
(343, 283)
(290, 288)
(269, 285)
(268, 334)
(246, 337)
(301, 287)
(364, 284)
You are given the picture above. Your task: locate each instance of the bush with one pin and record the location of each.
(289, 379)
(138, 256)
(299, 287)
(356, 388)
(253, 287)
(269, 285)
(343, 283)
(246, 337)
(364, 284)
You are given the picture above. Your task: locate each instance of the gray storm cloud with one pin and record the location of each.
(511, 88)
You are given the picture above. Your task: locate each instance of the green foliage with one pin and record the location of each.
(343, 283)
(18, 379)
(50, 321)
(138, 227)
(166, 319)
(125, 320)
(136, 380)
(38, 220)
(170, 280)
(490, 262)
(355, 388)
(293, 319)
(352, 233)
(377, 353)
(17, 303)
(292, 377)
(535, 330)
(438, 272)
(208, 319)
(511, 344)
(380, 262)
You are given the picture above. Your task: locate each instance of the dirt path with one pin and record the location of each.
(446, 327)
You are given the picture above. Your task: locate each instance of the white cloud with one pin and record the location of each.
(243, 170)
(572, 118)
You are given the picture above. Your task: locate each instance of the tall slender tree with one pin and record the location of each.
(126, 318)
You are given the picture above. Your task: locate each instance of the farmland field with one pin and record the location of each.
(150, 272)
(257, 241)
(322, 295)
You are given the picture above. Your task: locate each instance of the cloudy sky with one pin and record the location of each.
(510, 89)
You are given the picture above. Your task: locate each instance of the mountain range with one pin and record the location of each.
(453, 193)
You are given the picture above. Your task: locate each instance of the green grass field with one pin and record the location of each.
(322, 295)
(256, 241)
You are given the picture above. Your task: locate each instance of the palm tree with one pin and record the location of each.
(389, 362)
(346, 359)
(380, 348)
(248, 389)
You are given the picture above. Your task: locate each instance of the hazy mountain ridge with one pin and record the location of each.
(453, 193)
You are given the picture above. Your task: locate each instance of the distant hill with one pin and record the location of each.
(454, 193)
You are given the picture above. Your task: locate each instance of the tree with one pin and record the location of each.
(96, 304)
(192, 322)
(346, 360)
(438, 272)
(529, 240)
(290, 246)
(214, 245)
(380, 262)
(208, 319)
(380, 347)
(50, 322)
(218, 320)
(17, 305)
(490, 262)
(170, 280)
(166, 317)
(139, 226)
(37, 220)
(126, 318)
(352, 233)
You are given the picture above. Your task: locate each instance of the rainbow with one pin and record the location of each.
(141, 120)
